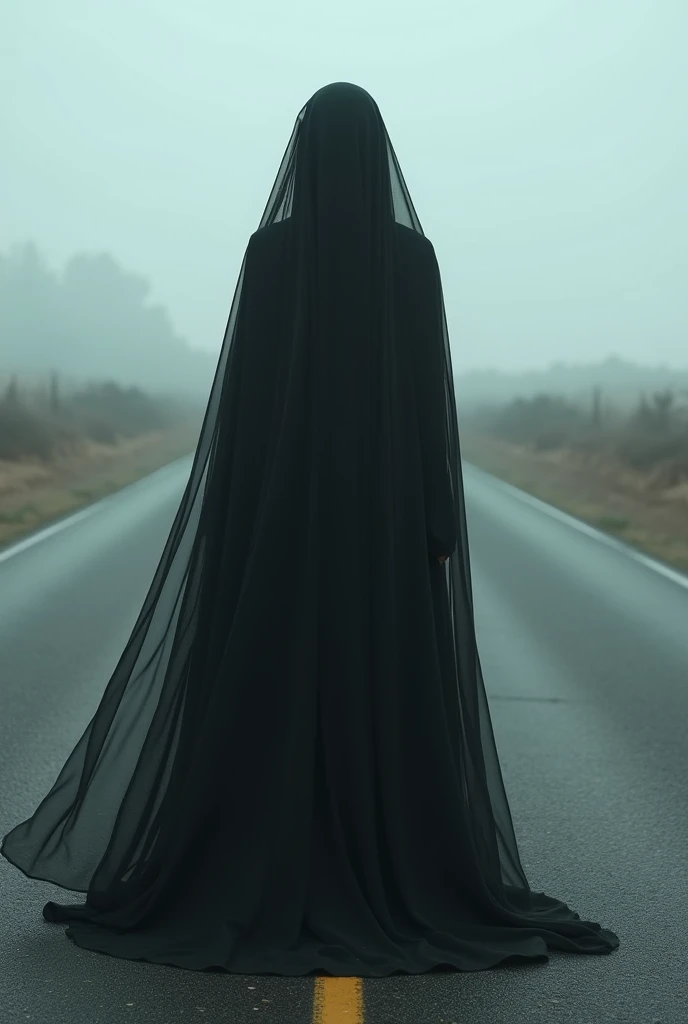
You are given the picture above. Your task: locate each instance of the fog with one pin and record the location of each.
(543, 142)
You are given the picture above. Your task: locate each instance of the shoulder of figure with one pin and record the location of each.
(417, 253)
(410, 237)
(266, 245)
(264, 236)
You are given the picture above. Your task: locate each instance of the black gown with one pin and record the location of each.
(292, 768)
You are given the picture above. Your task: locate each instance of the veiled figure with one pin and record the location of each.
(292, 768)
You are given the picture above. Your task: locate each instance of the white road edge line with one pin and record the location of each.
(515, 492)
(84, 513)
(577, 524)
(49, 531)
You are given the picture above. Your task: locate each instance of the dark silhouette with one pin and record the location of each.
(293, 767)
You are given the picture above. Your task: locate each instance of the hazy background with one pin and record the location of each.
(543, 141)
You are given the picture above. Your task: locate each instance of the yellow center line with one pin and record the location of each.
(338, 1001)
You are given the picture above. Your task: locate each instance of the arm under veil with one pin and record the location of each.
(429, 373)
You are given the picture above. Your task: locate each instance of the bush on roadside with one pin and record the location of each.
(23, 434)
(650, 438)
(112, 410)
(543, 421)
(46, 421)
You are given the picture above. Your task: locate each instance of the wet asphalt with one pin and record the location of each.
(585, 655)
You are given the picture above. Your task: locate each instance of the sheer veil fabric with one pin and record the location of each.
(292, 768)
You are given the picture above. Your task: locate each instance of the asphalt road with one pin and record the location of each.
(585, 654)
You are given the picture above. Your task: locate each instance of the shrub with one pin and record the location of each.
(545, 421)
(23, 434)
(47, 421)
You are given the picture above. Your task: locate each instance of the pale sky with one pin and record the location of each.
(544, 143)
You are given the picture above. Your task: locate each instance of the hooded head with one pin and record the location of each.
(342, 163)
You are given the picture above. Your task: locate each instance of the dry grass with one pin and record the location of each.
(34, 493)
(632, 506)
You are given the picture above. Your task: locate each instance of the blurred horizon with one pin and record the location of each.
(541, 143)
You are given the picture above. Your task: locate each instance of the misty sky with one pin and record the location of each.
(544, 143)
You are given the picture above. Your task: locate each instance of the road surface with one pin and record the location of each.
(585, 654)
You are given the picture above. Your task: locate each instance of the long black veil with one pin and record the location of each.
(108, 824)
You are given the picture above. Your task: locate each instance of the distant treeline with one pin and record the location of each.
(621, 381)
(651, 436)
(47, 420)
(93, 320)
